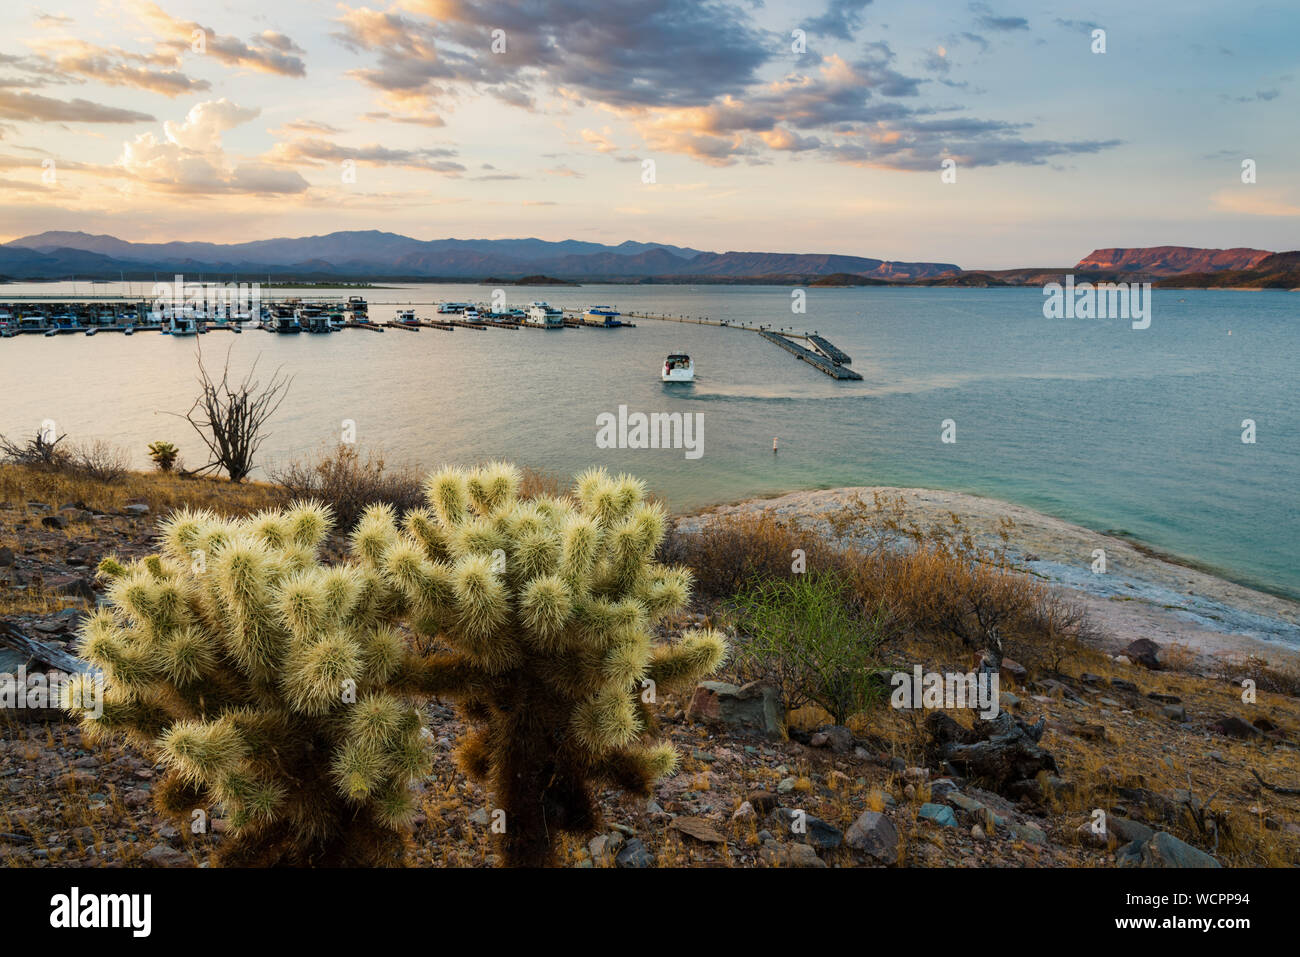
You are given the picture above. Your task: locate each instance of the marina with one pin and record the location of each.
(39, 315)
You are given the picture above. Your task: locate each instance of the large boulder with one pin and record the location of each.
(1144, 652)
(875, 834)
(1162, 850)
(756, 707)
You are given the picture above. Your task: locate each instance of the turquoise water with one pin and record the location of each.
(1137, 431)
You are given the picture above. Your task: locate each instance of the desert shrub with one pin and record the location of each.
(540, 615)
(1279, 678)
(266, 683)
(727, 553)
(230, 417)
(41, 451)
(349, 483)
(163, 454)
(99, 460)
(808, 635)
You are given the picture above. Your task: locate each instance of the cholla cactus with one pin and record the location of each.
(262, 678)
(541, 612)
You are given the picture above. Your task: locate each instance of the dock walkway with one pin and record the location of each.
(828, 349)
(818, 362)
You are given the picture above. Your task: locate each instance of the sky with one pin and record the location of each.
(823, 126)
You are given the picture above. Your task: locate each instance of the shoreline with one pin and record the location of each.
(1142, 593)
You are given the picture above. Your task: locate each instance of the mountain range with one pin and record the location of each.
(372, 255)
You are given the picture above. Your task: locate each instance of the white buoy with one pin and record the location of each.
(774, 443)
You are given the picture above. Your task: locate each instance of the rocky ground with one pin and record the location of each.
(1167, 759)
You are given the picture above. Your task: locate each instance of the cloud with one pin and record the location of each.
(313, 151)
(34, 108)
(427, 119)
(1255, 201)
(652, 53)
(71, 60)
(190, 157)
(990, 21)
(276, 54)
(1260, 96)
(842, 19)
(690, 78)
(310, 126)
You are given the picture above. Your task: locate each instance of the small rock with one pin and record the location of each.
(1014, 670)
(1234, 727)
(1028, 833)
(1174, 712)
(634, 854)
(875, 834)
(160, 855)
(756, 707)
(976, 832)
(836, 737)
(698, 828)
(791, 855)
(940, 814)
(139, 508)
(744, 813)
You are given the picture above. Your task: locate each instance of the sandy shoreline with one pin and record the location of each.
(1141, 595)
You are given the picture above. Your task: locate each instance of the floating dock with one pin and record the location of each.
(826, 348)
(821, 364)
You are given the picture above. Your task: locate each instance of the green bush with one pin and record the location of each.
(807, 635)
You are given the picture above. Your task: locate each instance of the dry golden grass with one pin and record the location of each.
(161, 492)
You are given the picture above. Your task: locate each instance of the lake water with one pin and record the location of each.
(1137, 431)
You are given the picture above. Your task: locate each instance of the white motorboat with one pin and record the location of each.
(678, 367)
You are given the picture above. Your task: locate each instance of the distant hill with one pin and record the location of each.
(1275, 271)
(371, 254)
(1169, 260)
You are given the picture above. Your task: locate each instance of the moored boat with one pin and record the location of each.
(544, 315)
(606, 316)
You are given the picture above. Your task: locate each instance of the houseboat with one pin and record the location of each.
(357, 310)
(407, 317)
(313, 319)
(182, 326)
(284, 320)
(453, 308)
(544, 315)
(606, 316)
